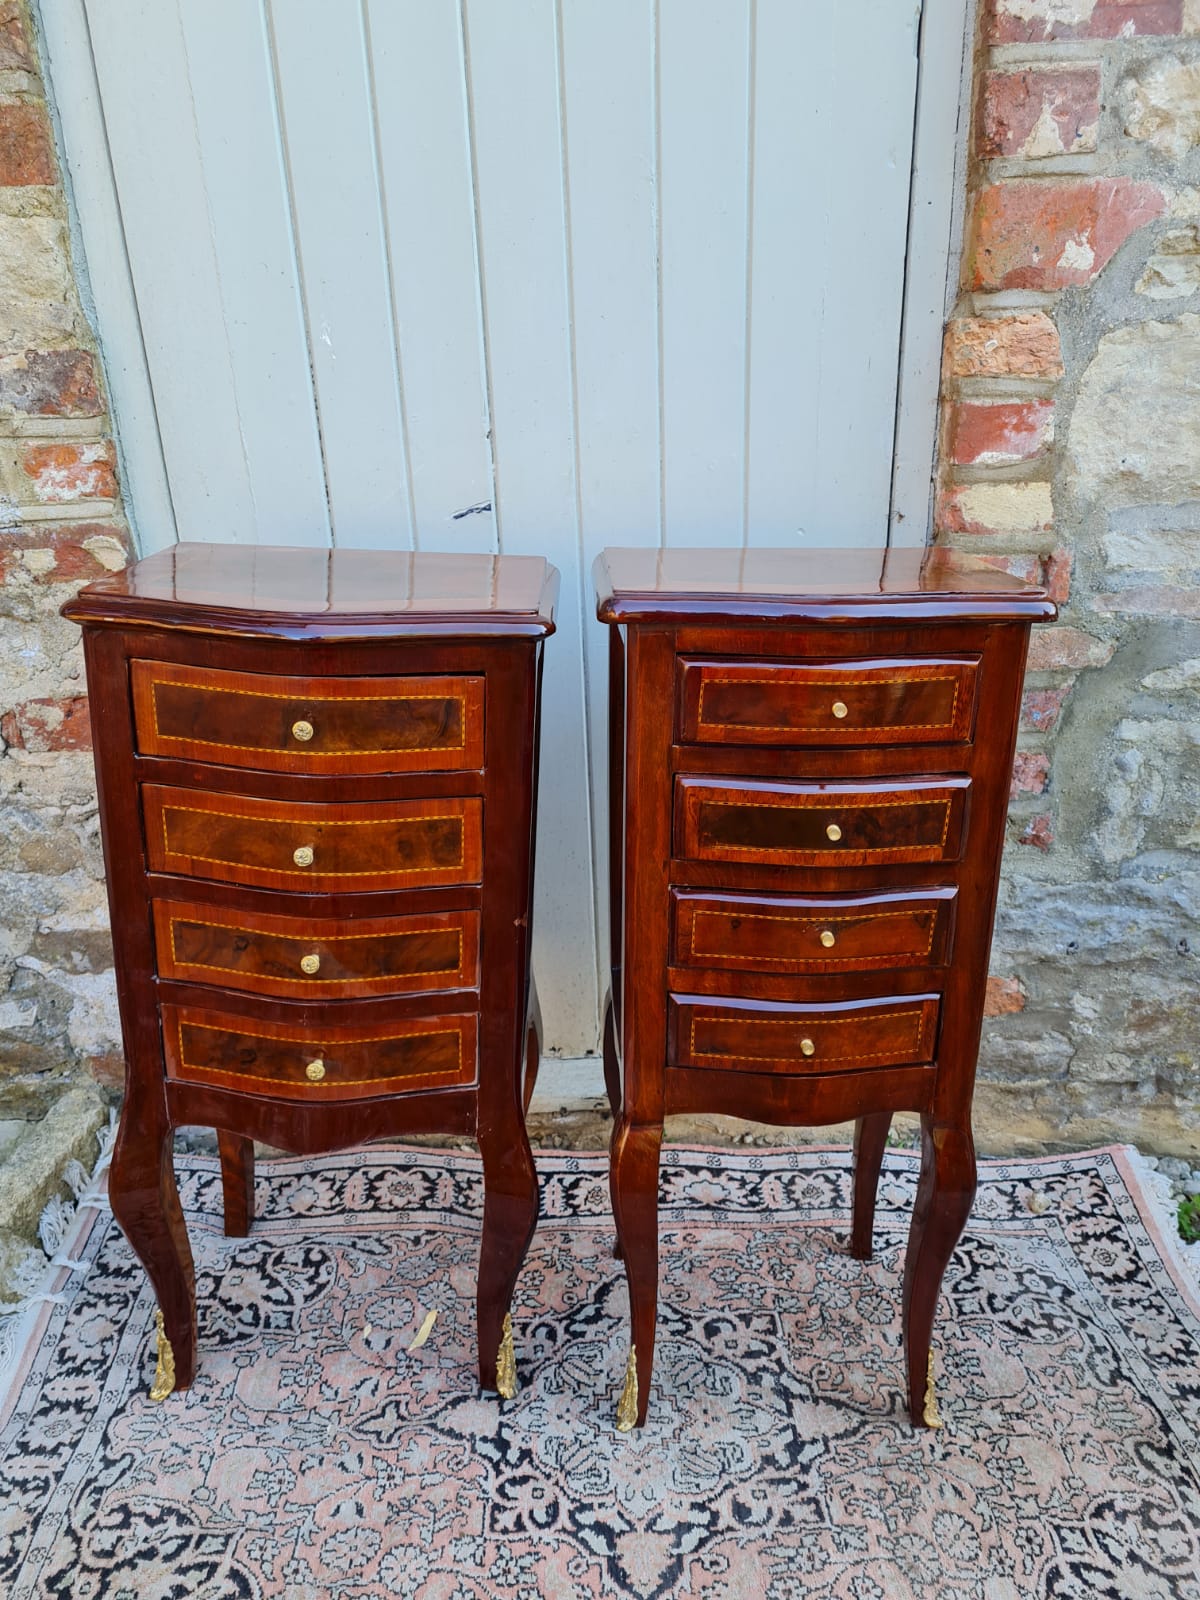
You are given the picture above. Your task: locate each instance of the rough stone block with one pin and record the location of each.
(1038, 234)
(1026, 345)
(34, 1165)
(15, 54)
(1035, 114)
(1173, 553)
(38, 304)
(26, 152)
(1160, 101)
(1173, 271)
(48, 725)
(50, 383)
(1052, 649)
(995, 508)
(62, 473)
(1133, 432)
(1041, 708)
(1031, 773)
(1034, 21)
(73, 553)
(1038, 832)
(999, 433)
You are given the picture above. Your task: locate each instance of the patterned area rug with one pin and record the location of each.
(317, 1455)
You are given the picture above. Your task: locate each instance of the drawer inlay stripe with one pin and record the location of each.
(333, 938)
(303, 1048)
(830, 803)
(320, 700)
(917, 1015)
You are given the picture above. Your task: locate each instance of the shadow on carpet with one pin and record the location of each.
(317, 1456)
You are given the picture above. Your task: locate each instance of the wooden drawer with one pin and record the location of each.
(284, 844)
(335, 1061)
(858, 702)
(760, 1036)
(781, 933)
(245, 719)
(820, 824)
(309, 958)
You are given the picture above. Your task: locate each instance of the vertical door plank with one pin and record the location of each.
(329, 142)
(513, 73)
(608, 95)
(229, 67)
(867, 223)
(160, 179)
(426, 179)
(704, 89)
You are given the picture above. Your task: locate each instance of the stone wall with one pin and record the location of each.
(60, 525)
(1071, 447)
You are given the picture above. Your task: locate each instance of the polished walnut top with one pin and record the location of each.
(296, 592)
(764, 585)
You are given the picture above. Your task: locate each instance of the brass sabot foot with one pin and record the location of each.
(627, 1407)
(933, 1417)
(506, 1362)
(164, 1371)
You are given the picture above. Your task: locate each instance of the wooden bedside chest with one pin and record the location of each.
(810, 757)
(317, 774)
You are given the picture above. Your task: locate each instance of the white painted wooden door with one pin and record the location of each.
(518, 275)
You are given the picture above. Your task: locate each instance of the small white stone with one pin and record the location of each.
(1037, 1203)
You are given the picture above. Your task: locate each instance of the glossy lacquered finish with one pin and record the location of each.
(317, 777)
(810, 755)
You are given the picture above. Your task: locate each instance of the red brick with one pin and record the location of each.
(1038, 832)
(26, 154)
(41, 725)
(1050, 235)
(1032, 21)
(49, 554)
(999, 433)
(1031, 773)
(1041, 708)
(1022, 346)
(1003, 996)
(50, 383)
(1148, 601)
(65, 472)
(986, 508)
(1051, 649)
(1038, 114)
(1052, 571)
(14, 41)
(1056, 575)
(108, 1070)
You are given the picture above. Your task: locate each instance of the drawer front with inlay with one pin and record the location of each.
(317, 725)
(310, 958)
(283, 844)
(782, 934)
(759, 1036)
(859, 702)
(820, 825)
(326, 1062)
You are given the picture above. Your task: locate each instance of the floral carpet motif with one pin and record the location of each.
(316, 1455)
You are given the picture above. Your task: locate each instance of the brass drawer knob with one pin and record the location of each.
(310, 964)
(840, 709)
(833, 832)
(314, 1071)
(303, 857)
(807, 1047)
(303, 731)
(828, 939)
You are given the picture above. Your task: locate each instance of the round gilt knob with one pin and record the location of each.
(833, 832)
(840, 709)
(303, 731)
(303, 857)
(314, 1071)
(828, 939)
(310, 964)
(807, 1047)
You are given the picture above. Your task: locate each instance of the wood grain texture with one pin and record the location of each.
(757, 1036)
(308, 725)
